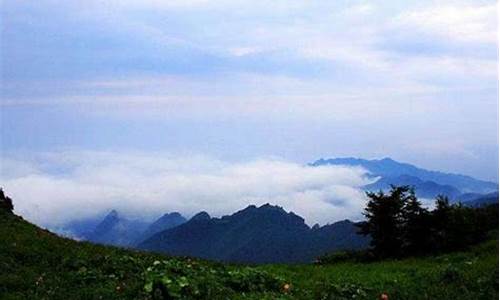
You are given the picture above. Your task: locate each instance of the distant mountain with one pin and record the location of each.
(468, 197)
(265, 234)
(391, 170)
(423, 189)
(118, 231)
(78, 229)
(167, 221)
(481, 200)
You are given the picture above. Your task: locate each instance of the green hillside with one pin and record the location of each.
(35, 264)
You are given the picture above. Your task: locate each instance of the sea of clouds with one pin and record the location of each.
(51, 189)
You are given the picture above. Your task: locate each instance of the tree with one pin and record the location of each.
(5, 202)
(385, 220)
(416, 238)
(441, 219)
(399, 226)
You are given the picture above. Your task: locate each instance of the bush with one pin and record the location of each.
(345, 256)
(174, 279)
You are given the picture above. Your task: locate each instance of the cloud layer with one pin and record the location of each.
(54, 188)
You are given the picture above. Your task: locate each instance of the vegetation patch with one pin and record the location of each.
(36, 264)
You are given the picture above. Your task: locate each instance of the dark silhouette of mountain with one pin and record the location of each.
(423, 189)
(167, 221)
(391, 169)
(482, 200)
(468, 197)
(79, 229)
(265, 234)
(114, 230)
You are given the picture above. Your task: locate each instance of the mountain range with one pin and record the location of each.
(265, 234)
(167, 221)
(114, 229)
(428, 184)
(480, 200)
(270, 234)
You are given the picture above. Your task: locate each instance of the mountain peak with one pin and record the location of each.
(387, 159)
(170, 215)
(201, 216)
(175, 214)
(112, 214)
(268, 206)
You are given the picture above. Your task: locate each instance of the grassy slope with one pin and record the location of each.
(467, 275)
(35, 264)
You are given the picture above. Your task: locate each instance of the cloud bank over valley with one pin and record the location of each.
(53, 188)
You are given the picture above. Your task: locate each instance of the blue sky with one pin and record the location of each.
(241, 80)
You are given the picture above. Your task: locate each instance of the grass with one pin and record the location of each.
(35, 264)
(466, 275)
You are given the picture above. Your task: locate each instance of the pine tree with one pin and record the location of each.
(416, 226)
(384, 221)
(5, 202)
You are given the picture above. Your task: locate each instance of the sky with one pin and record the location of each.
(240, 82)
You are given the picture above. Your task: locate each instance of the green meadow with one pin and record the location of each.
(36, 264)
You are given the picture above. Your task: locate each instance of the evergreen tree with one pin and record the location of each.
(5, 202)
(441, 217)
(399, 226)
(384, 221)
(416, 228)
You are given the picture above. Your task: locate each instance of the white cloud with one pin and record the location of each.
(77, 184)
(465, 23)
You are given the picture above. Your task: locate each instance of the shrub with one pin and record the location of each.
(345, 256)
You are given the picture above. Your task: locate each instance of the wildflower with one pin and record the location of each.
(286, 287)
(384, 296)
(39, 280)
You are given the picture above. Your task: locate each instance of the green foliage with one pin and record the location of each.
(335, 291)
(400, 227)
(385, 220)
(175, 279)
(464, 275)
(5, 202)
(345, 256)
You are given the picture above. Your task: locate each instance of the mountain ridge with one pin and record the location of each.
(115, 230)
(387, 167)
(265, 234)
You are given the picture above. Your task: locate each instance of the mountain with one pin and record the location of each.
(393, 170)
(167, 221)
(265, 234)
(423, 189)
(118, 231)
(78, 229)
(466, 197)
(481, 200)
